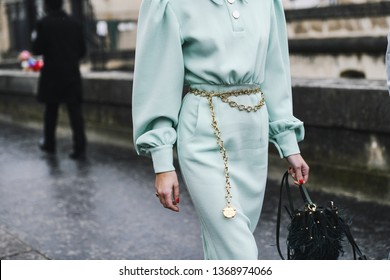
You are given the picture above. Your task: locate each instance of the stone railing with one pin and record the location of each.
(345, 21)
(107, 106)
(339, 41)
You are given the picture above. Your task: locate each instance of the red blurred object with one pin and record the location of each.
(37, 65)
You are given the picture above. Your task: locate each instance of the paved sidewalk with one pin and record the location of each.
(105, 208)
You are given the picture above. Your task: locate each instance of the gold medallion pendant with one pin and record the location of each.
(229, 212)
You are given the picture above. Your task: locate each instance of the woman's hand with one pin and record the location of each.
(167, 190)
(298, 169)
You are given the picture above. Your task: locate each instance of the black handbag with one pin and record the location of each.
(314, 232)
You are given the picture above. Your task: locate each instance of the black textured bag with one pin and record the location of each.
(314, 232)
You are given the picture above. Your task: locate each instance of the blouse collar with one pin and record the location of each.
(220, 2)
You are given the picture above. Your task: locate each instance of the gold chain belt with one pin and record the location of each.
(229, 211)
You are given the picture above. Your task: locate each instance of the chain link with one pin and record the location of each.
(224, 96)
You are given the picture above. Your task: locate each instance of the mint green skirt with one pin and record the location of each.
(245, 136)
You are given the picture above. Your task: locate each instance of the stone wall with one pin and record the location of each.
(347, 134)
(345, 39)
(299, 4)
(371, 19)
(347, 139)
(344, 27)
(116, 9)
(338, 65)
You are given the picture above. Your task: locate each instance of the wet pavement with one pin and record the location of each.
(104, 207)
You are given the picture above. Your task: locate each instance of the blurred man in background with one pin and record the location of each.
(388, 63)
(59, 38)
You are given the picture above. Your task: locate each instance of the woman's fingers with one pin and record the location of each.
(298, 169)
(167, 189)
(167, 202)
(294, 175)
(305, 172)
(176, 194)
(166, 199)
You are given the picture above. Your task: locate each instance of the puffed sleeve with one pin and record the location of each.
(285, 131)
(158, 83)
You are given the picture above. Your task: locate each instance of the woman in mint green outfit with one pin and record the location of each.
(233, 56)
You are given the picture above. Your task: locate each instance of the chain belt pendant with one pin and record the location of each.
(229, 211)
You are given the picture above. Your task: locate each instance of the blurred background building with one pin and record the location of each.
(109, 25)
(328, 38)
(298, 4)
(338, 38)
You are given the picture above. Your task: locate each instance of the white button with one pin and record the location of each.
(236, 14)
(231, 1)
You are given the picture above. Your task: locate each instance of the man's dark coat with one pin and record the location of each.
(59, 38)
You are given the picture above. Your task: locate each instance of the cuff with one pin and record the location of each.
(286, 144)
(162, 159)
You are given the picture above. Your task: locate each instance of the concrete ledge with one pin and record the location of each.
(107, 106)
(340, 11)
(348, 45)
(347, 125)
(353, 104)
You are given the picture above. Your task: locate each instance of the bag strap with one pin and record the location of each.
(284, 183)
(355, 247)
(278, 220)
(305, 195)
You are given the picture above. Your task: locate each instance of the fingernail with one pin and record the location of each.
(301, 181)
(177, 200)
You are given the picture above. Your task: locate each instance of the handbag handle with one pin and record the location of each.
(278, 220)
(304, 193)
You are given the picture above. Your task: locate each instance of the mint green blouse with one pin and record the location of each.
(221, 42)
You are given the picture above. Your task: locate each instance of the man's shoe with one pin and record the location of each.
(45, 148)
(77, 155)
